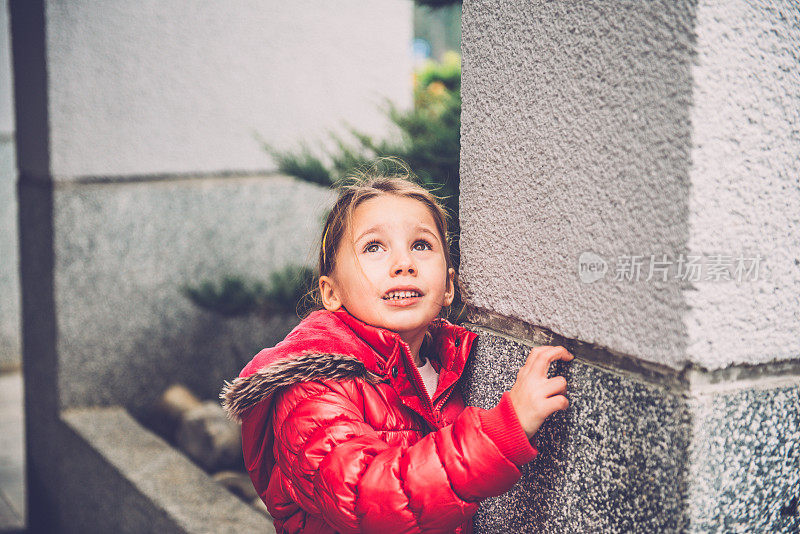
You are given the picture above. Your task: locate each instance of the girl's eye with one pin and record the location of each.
(374, 246)
(370, 246)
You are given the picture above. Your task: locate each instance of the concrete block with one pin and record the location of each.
(636, 454)
(136, 482)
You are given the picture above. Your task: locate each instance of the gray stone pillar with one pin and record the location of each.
(9, 257)
(140, 171)
(630, 189)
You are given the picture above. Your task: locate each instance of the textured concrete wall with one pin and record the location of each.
(745, 179)
(632, 128)
(9, 257)
(152, 87)
(595, 135)
(123, 251)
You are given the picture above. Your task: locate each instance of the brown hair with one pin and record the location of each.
(362, 185)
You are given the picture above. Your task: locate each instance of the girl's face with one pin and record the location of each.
(393, 244)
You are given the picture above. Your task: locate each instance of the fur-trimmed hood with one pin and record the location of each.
(336, 345)
(247, 391)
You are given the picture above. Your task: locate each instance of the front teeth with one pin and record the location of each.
(394, 295)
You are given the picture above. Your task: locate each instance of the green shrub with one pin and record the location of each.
(288, 287)
(437, 3)
(232, 297)
(235, 296)
(303, 165)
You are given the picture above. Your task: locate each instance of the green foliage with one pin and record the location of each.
(235, 296)
(288, 287)
(303, 165)
(448, 72)
(437, 3)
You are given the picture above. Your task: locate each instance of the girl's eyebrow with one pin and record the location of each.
(375, 228)
(369, 231)
(427, 231)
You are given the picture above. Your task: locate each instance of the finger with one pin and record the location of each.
(527, 367)
(536, 353)
(532, 355)
(553, 386)
(544, 358)
(553, 404)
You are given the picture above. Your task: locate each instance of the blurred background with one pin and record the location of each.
(175, 163)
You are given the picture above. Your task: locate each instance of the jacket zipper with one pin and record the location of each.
(421, 387)
(443, 400)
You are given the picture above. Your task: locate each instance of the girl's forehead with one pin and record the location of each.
(391, 208)
(388, 212)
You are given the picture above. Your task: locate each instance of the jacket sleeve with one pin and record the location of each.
(337, 466)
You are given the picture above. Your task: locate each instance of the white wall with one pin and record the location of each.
(635, 129)
(153, 87)
(746, 178)
(176, 90)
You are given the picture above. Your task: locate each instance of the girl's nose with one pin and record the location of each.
(403, 265)
(400, 269)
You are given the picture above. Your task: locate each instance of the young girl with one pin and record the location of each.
(355, 422)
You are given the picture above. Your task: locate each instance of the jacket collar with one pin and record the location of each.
(450, 344)
(381, 340)
(337, 345)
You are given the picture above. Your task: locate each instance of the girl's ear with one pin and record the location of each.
(327, 291)
(450, 293)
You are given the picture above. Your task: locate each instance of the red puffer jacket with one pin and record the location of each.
(339, 434)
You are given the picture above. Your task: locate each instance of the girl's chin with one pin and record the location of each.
(403, 318)
(407, 326)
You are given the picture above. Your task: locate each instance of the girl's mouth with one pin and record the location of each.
(402, 298)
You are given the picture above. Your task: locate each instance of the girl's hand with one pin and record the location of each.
(535, 396)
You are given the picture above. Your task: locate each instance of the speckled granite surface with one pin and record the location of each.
(745, 461)
(630, 455)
